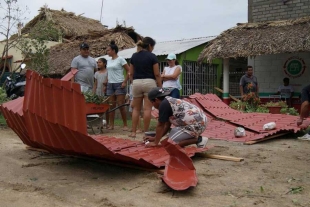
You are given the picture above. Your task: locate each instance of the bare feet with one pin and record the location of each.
(110, 128)
(299, 121)
(125, 128)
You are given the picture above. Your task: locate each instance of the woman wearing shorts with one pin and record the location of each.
(144, 70)
(116, 88)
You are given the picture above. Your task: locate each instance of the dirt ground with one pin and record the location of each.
(274, 173)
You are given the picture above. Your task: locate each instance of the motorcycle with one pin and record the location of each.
(15, 87)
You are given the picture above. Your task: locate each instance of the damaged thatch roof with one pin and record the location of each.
(61, 55)
(252, 39)
(69, 24)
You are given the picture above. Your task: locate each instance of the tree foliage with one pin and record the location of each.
(11, 16)
(34, 45)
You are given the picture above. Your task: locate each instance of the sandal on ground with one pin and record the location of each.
(110, 128)
(125, 128)
(132, 136)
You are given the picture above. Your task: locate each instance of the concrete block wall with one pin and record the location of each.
(270, 73)
(272, 10)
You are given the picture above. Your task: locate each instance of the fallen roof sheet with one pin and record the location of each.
(224, 120)
(52, 116)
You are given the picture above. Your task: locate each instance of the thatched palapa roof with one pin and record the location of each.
(252, 39)
(68, 23)
(61, 55)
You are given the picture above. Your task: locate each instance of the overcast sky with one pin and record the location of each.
(161, 19)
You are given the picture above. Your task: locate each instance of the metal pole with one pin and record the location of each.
(101, 10)
(226, 81)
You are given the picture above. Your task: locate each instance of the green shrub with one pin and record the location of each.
(90, 97)
(3, 97)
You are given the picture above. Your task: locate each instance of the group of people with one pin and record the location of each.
(249, 83)
(150, 88)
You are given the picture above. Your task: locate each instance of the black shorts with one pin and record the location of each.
(305, 94)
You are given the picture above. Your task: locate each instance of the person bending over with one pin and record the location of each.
(189, 120)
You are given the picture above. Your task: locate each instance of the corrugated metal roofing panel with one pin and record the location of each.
(252, 122)
(164, 48)
(53, 117)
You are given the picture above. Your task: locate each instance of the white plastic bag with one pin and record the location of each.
(239, 132)
(269, 126)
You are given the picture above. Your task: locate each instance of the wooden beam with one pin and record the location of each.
(218, 89)
(266, 138)
(232, 97)
(221, 157)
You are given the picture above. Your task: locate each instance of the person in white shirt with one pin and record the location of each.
(171, 74)
(116, 87)
(286, 91)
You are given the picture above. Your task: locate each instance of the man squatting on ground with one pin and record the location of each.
(189, 120)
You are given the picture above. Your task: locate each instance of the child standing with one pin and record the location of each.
(101, 80)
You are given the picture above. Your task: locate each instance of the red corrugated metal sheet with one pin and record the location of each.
(180, 173)
(223, 120)
(52, 116)
(13, 114)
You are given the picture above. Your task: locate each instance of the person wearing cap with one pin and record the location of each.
(189, 120)
(171, 74)
(86, 67)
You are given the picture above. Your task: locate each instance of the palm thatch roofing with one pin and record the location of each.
(69, 24)
(61, 55)
(253, 39)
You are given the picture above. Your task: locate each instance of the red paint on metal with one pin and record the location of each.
(180, 173)
(69, 75)
(226, 101)
(92, 108)
(230, 119)
(154, 113)
(52, 116)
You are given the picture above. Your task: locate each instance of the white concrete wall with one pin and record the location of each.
(270, 73)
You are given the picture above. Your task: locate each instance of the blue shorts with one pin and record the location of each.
(175, 93)
(115, 89)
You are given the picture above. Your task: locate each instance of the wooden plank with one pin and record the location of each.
(234, 98)
(231, 96)
(221, 157)
(159, 171)
(218, 89)
(266, 138)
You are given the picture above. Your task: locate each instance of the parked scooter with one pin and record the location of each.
(16, 87)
